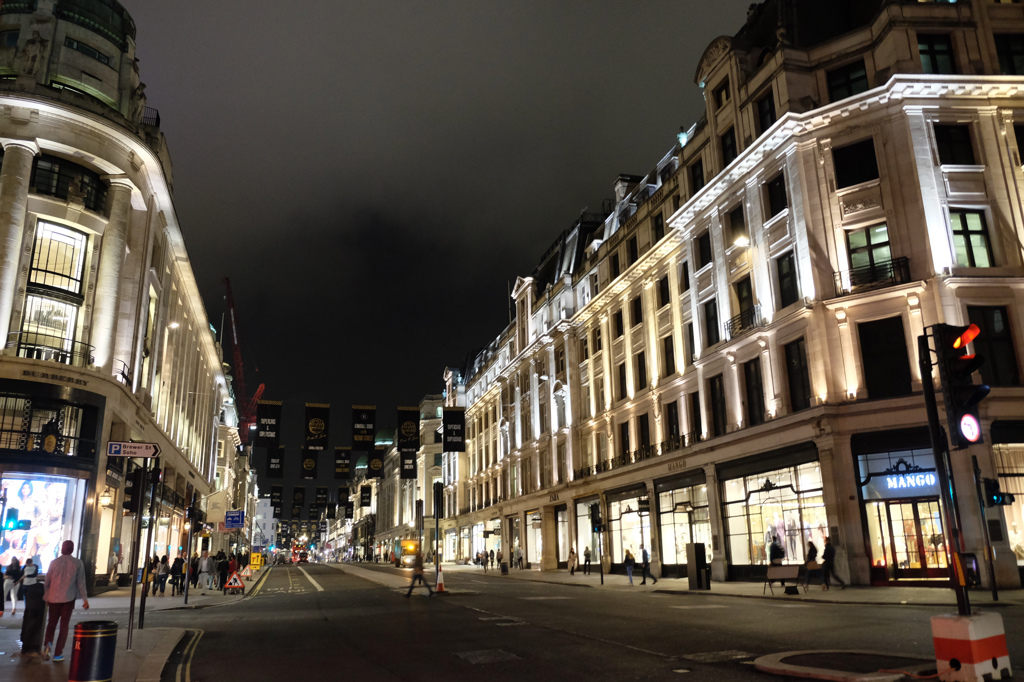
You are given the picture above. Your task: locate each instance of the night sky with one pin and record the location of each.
(373, 176)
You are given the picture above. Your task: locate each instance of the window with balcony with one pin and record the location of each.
(66, 180)
(870, 254)
(716, 394)
(936, 53)
(636, 311)
(696, 423)
(746, 317)
(954, 144)
(641, 371)
(855, 163)
(775, 192)
(624, 438)
(798, 375)
(670, 409)
(765, 108)
(704, 249)
(970, 239)
(657, 228)
(697, 175)
(754, 387)
(1010, 49)
(785, 268)
(728, 142)
(668, 356)
(643, 433)
(663, 293)
(995, 344)
(847, 81)
(711, 332)
(620, 327)
(883, 350)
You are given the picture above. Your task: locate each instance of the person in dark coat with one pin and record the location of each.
(177, 573)
(828, 565)
(222, 568)
(645, 566)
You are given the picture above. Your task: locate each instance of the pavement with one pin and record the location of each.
(151, 646)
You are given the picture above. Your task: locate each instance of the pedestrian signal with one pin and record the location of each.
(595, 518)
(13, 522)
(960, 394)
(994, 497)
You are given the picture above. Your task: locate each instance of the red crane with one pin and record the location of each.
(246, 406)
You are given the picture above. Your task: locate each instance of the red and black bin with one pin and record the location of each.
(92, 652)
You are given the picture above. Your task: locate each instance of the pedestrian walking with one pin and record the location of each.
(586, 561)
(572, 561)
(154, 569)
(811, 564)
(222, 570)
(492, 558)
(630, 562)
(483, 560)
(11, 580)
(65, 582)
(163, 572)
(417, 575)
(519, 557)
(193, 569)
(645, 566)
(33, 622)
(177, 568)
(828, 566)
(205, 571)
(500, 557)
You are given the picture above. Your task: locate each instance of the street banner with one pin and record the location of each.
(299, 495)
(321, 495)
(309, 460)
(454, 429)
(407, 436)
(363, 431)
(277, 511)
(364, 495)
(408, 461)
(318, 421)
(276, 493)
(296, 511)
(342, 494)
(375, 463)
(275, 462)
(332, 511)
(350, 510)
(268, 420)
(342, 462)
(314, 512)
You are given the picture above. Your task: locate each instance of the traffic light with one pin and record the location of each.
(994, 497)
(134, 482)
(12, 522)
(959, 392)
(595, 517)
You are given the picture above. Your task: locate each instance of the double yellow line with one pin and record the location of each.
(184, 671)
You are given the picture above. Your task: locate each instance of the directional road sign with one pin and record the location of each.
(116, 449)
(234, 519)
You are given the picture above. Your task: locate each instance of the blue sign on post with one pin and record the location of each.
(234, 519)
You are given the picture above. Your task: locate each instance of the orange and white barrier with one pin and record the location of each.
(970, 648)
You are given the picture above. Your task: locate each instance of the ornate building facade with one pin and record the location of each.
(729, 354)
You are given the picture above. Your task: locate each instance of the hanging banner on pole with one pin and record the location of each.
(454, 425)
(276, 493)
(342, 494)
(332, 511)
(350, 510)
(408, 462)
(407, 436)
(309, 461)
(299, 496)
(375, 463)
(364, 495)
(343, 462)
(275, 462)
(321, 495)
(318, 421)
(268, 420)
(363, 430)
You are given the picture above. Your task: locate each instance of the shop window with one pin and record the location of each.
(684, 519)
(754, 387)
(641, 371)
(953, 142)
(627, 528)
(711, 332)
(883, 347)
(658, 228)
(765, 112)
(620, 327)
(1010, 49)
(53, 506)
(936, 53)
(663, 292)
(798, 375)
(704, 250)
(789, 291)
(847, 81)
(995, 344)
(970, 239)
(697, 175)
(668, 356)
(786, 503)
(623, 393)
(737, 226)
(775, 192)
(632, 250)
(716, 394)
(855, 163)
(728, 142)
(636, 312)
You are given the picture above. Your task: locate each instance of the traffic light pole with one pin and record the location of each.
(940, 450)
(133, 561)
(155, 474)
(989, 554)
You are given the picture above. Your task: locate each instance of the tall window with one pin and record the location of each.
(855, 163)
(691, 345)
(696, 423)
(597, 340)
(643, 431)
(624, 438)
(729, 152)
(721, 94)
(623, 393)
(765, 112)
(684, 277)
(737, 224)
(883, 349)
(789, 292)
(620, 327)
(754, 387)
(671, 412)
(1010, 48)
(704, 249)
(775, 190)
(869, 252)
(632, 250)
(995, 344)
(53, 295)
(798, 375)
(663, 292)
(847, 81)
(954, 144)
(936, 53)
(584, 347)
(641, 371)
(64, 179)
(970, 239)
(636, 312)
(668, 356)
(711, 323)
(697, 175)
(658, 228)
(613, 264)
(716, 392)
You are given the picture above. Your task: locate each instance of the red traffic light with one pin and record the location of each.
(967, 334)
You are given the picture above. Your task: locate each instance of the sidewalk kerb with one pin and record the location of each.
(152, 667)
(772, 664)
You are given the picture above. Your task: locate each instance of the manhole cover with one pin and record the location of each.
(718, 656)
(486, 656)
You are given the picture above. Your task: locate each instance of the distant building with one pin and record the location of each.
(105, 334)
(730, 352)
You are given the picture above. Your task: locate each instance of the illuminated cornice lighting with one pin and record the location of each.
(173, 325)
(742, 241)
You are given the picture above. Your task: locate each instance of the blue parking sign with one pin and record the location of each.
(234, 519)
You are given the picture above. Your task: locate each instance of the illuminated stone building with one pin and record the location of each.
(734, 344)
(106, 338)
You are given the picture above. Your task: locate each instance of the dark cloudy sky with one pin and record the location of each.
(372, 175)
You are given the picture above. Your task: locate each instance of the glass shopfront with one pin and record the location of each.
(682, 518)
(628, 527)
(562, 530)
(586, 538)
(1008, 453)
(49, 511)
(784, 502)
(534, 539)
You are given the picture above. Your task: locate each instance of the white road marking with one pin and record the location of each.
(701, 606)
(544, 598)
(310, 579)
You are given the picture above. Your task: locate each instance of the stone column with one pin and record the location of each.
(108, 276)
(15, 175)
(654, 519)
(719, 562)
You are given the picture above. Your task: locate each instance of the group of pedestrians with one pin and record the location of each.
(213, 572)
(16, 579)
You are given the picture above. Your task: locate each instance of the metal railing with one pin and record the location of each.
(14, 7)
(150, 117)
(746, 320)
(122, 373)
(35, 346)
(877, 276)
(47, 442)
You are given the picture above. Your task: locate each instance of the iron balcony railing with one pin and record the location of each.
(880, 275)
(45, 441)
(746, 320)
(35, 346)
(14, 7)
(122, 373)
(643, 453)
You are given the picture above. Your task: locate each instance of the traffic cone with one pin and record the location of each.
(440, 581)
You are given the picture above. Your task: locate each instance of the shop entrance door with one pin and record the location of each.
(913, 539)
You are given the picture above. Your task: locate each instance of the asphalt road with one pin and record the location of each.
(317, 623)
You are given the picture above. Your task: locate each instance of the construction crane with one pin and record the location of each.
(245, 405)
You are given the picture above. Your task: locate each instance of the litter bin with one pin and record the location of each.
(92, 653)
(698, 574)
(504, 568)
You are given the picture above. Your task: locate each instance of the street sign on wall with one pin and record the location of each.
(120, 449)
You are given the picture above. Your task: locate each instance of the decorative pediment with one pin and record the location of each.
(522, 287)
(712, 55)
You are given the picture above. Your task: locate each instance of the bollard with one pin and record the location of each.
(92, 653)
